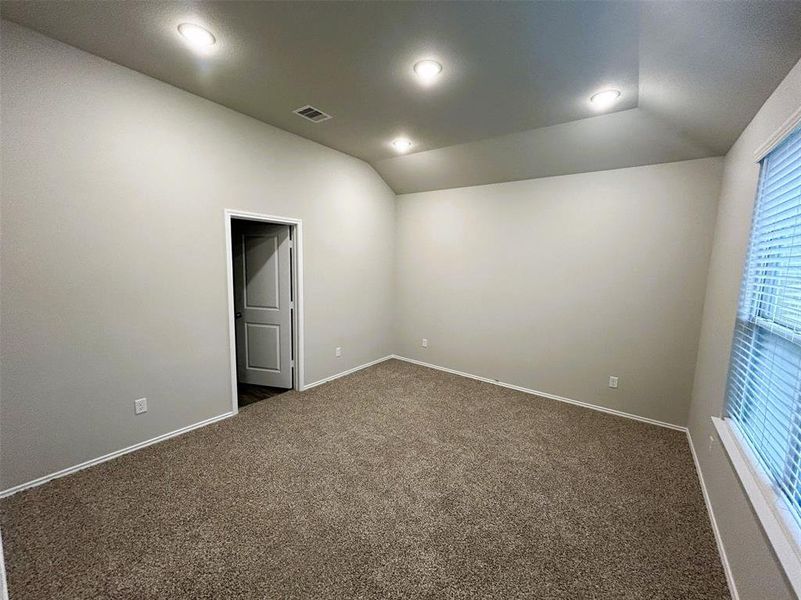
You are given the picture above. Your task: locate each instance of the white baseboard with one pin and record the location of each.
(115, 454)
(718, 539)
(518, 388)
(3, 582)
(95, 461)
(69, 470)
(309, 386)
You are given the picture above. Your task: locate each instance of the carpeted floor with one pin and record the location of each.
(395, 482)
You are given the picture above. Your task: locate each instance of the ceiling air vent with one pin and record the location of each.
(312, 114)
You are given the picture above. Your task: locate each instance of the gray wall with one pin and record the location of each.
(113, 252)
(756, 572)
(554, 284)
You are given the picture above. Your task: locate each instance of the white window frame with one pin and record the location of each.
(779, 523)
(769, 504)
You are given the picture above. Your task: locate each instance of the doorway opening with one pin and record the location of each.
(265, 305)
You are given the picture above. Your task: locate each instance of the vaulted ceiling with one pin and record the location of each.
(512, 101)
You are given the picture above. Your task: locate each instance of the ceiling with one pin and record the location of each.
(512, 101)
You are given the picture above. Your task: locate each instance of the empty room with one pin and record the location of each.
(400, 300)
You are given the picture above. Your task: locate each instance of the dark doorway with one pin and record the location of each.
(250, 393)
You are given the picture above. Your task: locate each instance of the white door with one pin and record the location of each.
(263, 303)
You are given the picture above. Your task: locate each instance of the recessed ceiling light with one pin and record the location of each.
(605, 98)
(427, 70)
(401, 144)
(196, 35)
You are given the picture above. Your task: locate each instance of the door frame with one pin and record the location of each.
(296, 227)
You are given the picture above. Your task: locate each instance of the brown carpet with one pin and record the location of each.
(395, 482)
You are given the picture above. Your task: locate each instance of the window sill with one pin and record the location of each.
(780, 527)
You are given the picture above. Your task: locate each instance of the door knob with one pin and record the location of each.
(238, 315)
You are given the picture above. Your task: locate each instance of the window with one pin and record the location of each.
(764, 388)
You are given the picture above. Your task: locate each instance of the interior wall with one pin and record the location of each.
(113, 252)
(756, 572)
(555, 284)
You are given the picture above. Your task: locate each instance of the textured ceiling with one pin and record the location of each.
(512, 102)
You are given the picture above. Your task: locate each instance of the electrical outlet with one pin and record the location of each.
(339, 351)
(425, 343)
(140, 406)
(613, 382)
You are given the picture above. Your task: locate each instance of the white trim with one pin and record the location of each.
(101, 459)
(348, 372)
(774, 515)
(3, 580)
(778, 136)
(297, 275)
(715, 529)
(510, 386)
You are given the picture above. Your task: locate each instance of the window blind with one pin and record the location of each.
(764, 387)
